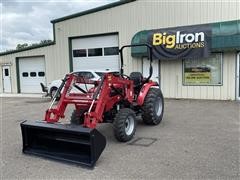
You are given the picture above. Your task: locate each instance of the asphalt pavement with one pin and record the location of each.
(197, 139)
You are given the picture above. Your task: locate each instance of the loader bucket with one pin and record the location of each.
(69, 143)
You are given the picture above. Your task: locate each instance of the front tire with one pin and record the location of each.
(124, 125)
(77, 117)
(153, 107)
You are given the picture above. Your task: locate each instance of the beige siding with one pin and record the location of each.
(130, 18)
(172, 81)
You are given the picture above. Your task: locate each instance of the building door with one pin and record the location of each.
(238, 78)
(31, 74)
(95, 53)
(155, 65)
(7, 88)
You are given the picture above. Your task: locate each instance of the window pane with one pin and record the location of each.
(86, 75)
(206, 71)
(79, 74)
(89, 75)
(100, 73)
(95, 52)
(109, 51)
(25, 74)
(79, 53)
(6, 72)
(33, 74)
(41, 74)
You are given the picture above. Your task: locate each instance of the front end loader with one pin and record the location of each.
(115, 98)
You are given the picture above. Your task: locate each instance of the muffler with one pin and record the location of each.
(64, 142)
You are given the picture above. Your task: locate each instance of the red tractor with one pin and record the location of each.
(116, 98)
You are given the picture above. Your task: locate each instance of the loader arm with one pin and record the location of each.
(105, 102)
(96, 103)
(54, 114)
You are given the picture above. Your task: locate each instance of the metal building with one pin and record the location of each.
(90, 39)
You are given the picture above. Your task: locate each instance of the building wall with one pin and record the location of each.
(142, 14)
(130, 18)
(172, 81)
(50, 60)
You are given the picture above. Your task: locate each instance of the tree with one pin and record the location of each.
(22, 46)
(45, 41)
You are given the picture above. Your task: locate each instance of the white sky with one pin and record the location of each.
(28, 21)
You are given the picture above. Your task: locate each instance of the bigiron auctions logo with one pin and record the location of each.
(179, 40)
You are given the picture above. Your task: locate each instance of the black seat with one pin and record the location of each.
(44, 88)
(137, 78)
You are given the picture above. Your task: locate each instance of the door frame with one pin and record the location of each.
(238, 77)
(9, 71)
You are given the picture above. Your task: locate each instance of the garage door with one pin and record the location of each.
(95, 53)
(31, 73)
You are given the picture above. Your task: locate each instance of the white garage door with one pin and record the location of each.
(95, 53)
(31, 73)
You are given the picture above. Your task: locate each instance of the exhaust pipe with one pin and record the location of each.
(64, 142)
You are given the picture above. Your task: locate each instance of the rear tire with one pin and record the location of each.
(153, 107)
(77, 117)
(124, 125)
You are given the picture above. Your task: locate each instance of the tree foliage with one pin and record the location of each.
(24, 45)
(45, 41)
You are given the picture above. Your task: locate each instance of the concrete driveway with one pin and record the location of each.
(196, 140)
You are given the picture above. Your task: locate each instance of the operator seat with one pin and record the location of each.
(137, 79)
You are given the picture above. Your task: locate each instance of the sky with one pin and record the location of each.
(28, 21)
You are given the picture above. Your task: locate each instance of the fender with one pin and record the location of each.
(144, 91)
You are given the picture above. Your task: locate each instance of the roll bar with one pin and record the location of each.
(150, 57)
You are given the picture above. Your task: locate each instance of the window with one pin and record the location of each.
(87, 75)
(205, 71)
(33, 74)
(109, 51)
(41, 74)
(79, 53)
(100, 74)
(6, 72)
(95, 52)
(25, 74)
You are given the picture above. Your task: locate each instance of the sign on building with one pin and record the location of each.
(181, 42)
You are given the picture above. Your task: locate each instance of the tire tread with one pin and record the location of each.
(149, 116)
(76, 117)
(119, 124)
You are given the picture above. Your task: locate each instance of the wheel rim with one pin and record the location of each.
(129, 125)
(158, 106)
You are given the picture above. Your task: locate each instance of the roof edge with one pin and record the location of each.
(90, 11)
(27, 48)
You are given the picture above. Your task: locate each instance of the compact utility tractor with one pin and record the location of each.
(115, 98)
